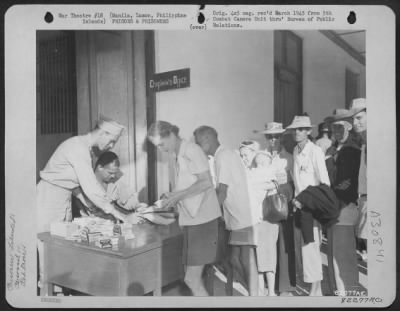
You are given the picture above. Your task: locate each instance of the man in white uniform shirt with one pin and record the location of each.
(233, 194)
(70, 167)
(309, 169)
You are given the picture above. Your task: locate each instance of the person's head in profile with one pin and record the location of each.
(106, 134)
(248, 150)
(107, 168)
(164, 136)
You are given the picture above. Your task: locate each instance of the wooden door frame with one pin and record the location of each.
(278, 67)
(151, 115)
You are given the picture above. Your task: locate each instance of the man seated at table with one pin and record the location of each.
(108, 174)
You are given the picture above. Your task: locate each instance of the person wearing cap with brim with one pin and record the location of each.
(309, 169)
(282, 163)
(344, 166)
(358, 112)
(69, 167)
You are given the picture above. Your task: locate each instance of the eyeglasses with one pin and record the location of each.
(247, 143)
(273, 136)
(301, 129)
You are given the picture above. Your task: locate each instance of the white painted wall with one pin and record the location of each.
(324, 69)
(231, 84)
(232, 87)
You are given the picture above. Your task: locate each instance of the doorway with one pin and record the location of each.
(56, 102)
(288, 76)
(352, 86)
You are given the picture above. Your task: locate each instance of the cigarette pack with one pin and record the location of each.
(94, 236)
(104, 243)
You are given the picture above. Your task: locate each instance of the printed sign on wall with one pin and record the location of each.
(169, 80)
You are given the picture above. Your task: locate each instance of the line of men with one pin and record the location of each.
(348, 181)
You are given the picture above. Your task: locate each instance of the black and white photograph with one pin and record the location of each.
(227, 162)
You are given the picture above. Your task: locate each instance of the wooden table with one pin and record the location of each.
(141, 265)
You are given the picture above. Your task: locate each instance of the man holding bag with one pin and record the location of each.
(309, 169)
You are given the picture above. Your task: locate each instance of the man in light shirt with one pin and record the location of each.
(70, 167)
(309, 169)
(108, 174)
(233, 194)
(324, 141)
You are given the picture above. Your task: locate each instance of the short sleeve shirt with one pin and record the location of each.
(70, 167)
(230, 170)
(200, 208)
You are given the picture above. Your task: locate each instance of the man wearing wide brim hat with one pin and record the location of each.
(357, 105)
(272, 128)
(358, 111)
(344, 164)
(300, 122)
(309, 169)
(342, 116)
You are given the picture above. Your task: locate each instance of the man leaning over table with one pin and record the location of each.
(70, 167)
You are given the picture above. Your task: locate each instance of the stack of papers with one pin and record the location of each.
(102, 232)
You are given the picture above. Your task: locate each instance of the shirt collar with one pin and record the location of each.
(305, 149)
(87, 139)
(220, 147)
(182, 148)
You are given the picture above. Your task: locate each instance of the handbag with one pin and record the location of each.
(275, 206)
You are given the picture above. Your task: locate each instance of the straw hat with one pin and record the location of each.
(341, 117)
(357, 105)
(272, 128)
(340, 114)
(300, 121)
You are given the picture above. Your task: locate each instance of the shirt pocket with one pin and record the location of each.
(306, 166)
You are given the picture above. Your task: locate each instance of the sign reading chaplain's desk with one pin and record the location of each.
(169, 80)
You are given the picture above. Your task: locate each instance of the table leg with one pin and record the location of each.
(47, 289)
(209, 281)
(229, 280)
(158, 282)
